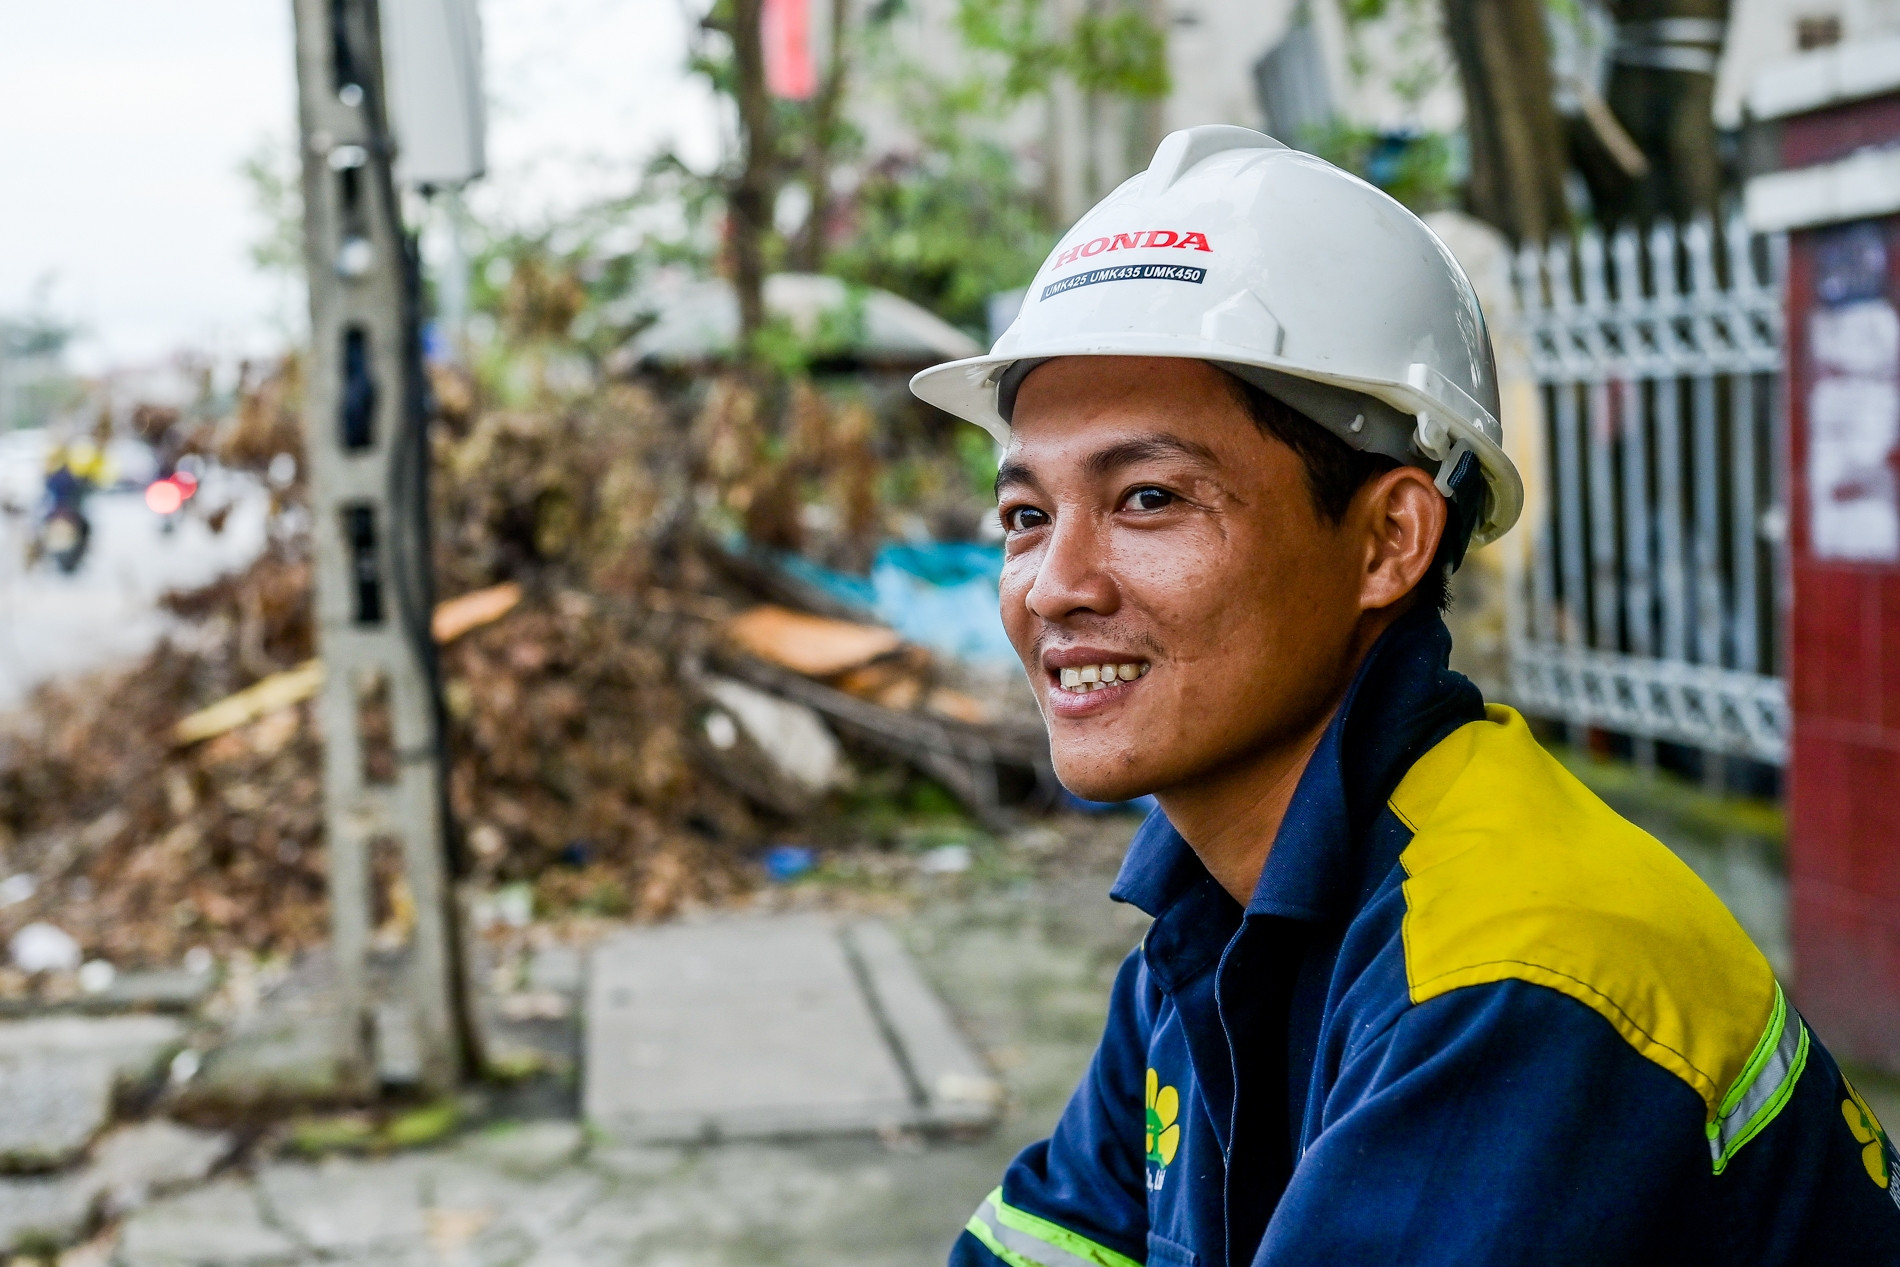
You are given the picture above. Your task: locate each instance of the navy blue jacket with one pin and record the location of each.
(1469, 1016)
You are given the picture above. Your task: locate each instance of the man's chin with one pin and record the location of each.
(1100, 785)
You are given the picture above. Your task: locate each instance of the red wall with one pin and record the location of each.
(1844, 679)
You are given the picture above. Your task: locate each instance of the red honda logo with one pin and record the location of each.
(1141, 239)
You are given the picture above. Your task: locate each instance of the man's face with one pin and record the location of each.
(1152, 527)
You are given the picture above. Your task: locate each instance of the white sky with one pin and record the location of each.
(123, 123)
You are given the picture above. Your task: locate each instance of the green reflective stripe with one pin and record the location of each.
(981, 1230)
(1764, 1086)
(1021, 1239)
(1764, 1048)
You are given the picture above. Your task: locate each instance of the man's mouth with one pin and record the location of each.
(1084, 678)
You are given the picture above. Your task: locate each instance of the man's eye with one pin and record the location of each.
(1148, 499)
(1023, 518)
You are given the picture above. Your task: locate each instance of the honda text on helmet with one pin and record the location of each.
(1289, 273)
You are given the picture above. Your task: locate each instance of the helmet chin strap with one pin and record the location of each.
(1448, 469)
(1461, 480)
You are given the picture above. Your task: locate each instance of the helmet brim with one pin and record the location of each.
(967, 389)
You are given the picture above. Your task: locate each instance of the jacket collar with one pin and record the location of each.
(1404, 699)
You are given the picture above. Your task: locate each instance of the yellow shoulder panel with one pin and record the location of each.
(1517, 871)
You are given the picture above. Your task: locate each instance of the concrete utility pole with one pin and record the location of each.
(400, 985)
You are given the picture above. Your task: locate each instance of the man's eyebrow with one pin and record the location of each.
(1146, 449)
(1010, 474)
(1113, 458)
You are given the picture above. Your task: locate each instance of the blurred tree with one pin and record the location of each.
(34, 381)
(1661, 91)
(752, 186)
(276, 188)
(1411, 162)
(947, 229)
(270, 169)
(948, 221)
(828, 134)
(1414, 167)
(1518, 156)
(960, 218)
(1112, 52)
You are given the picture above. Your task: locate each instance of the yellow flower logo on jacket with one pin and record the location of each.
(1866, 1128)
(1164, 1133)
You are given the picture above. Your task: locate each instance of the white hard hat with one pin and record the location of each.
(1287, 272)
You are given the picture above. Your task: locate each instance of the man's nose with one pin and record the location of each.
(1073, 575)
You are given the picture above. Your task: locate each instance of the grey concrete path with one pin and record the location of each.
(1026, 972)
(764, 1026)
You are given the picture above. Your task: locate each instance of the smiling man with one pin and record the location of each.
(1411, 993)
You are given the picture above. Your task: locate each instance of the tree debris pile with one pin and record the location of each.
(141, 851)
(596, 749)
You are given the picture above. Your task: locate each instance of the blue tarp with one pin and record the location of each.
(939, 594)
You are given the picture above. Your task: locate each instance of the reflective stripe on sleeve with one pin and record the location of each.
(1764, 1086)
(1021, 1239)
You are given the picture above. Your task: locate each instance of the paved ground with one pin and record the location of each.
(1023, 948)
(1026, 967)
(770, 1025)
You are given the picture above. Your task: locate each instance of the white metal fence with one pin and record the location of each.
(1643, 595)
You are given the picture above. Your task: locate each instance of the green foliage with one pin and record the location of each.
(958, 222)
(270, 170)
(1016, 30)
(947, 230)
(929, 800)
(1415, 168)
(549, 301)
(422, 1125)
(790, 352)
(348, 1132)
(514, 1066)
(978, 455)
(374, 1132)
(952, 222)
(1119, 52)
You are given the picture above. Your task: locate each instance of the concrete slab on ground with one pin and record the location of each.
(50, 1107)
(137, 1162)
(953, 1085)
(42, 1210)
(346, 1209)
(1028, 974)
(222, 1224)
(57, 1076)
(132, 1045)
(769, 1026)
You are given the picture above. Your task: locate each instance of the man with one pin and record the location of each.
(1411, 993)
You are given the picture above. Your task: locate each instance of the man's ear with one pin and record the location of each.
(1402, 516)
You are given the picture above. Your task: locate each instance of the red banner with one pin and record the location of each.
(785, 29)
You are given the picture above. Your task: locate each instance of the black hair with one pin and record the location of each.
(1335, 472)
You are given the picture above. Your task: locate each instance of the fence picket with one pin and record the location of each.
(1636, 604)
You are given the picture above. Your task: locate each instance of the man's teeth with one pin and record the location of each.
(1093, 677)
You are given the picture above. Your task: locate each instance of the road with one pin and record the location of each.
(52, 625)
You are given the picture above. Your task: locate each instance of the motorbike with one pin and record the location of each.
(63, 534)
(64, 531)
(166, 496)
